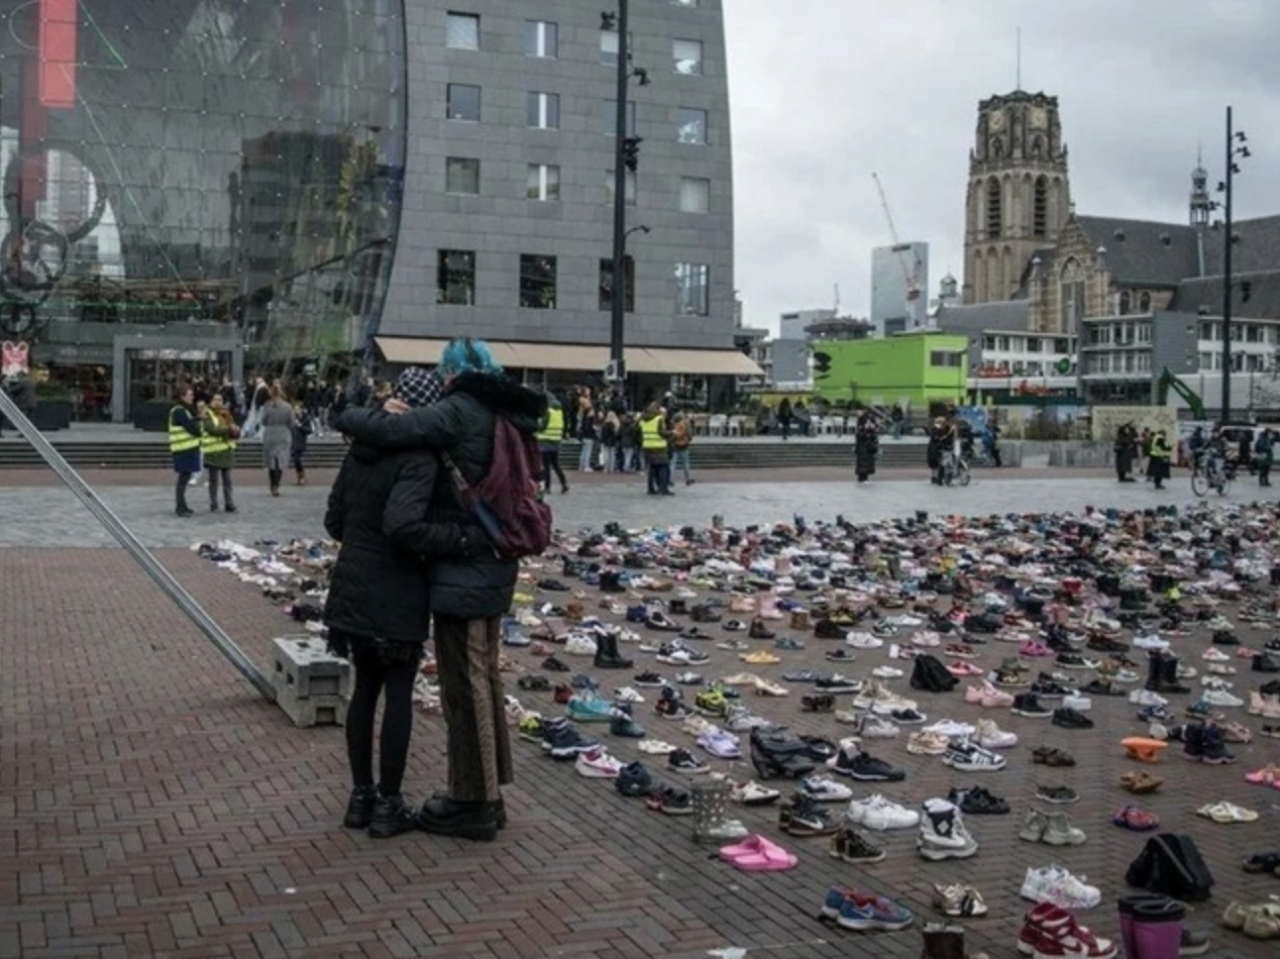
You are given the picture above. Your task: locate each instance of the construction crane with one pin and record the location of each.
(910, 271)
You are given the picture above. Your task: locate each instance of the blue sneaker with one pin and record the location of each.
(590, 708)
(561, 739)
(634, 780)
(863, 911)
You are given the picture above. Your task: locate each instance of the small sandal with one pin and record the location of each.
(1136, 819)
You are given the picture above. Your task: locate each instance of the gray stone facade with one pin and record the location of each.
(500, 222)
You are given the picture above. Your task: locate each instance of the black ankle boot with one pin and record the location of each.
(607, 655)
(1169, 677)
(391, 817)
(499, 809)
(465, 820)
(360, 807)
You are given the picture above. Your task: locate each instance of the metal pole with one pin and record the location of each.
(133, 546)
(617, 303)
(1226, 283)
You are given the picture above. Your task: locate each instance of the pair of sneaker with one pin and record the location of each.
(1057, 886)
(1049, 930)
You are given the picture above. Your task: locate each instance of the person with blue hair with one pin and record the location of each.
(468, 595)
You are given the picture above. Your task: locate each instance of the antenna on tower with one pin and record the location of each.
(1018, 59)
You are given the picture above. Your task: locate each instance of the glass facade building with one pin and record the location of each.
(207, 176)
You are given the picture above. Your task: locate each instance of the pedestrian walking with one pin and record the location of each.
(588, 433)
(277, 436)
(218, 445)
(610, 429)
(866, 446)
(1264, 455)
(298, 438)
(1126, 452)
(378, 611)
(681, 439)
(184, 446)
(785, 417)
(628, 442)
(550, 436)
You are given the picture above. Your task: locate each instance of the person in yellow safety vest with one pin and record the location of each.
(184, 446)
(1161, 453)
(550, 436)
(219, 445)
(653, 441)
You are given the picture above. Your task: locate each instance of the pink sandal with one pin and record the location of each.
(769, 858)
(1266, 776)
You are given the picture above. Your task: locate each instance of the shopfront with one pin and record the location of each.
(150, 368)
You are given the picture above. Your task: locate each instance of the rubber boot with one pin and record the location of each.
(942, 941)
(607, 656)
(1127, 906)
(1155, 670)
(1157, 929)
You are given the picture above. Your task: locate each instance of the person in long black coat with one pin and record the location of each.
(866, 446)
(1126, 452)
(469, 596)
(378, 610)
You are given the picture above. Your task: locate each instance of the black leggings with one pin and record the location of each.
(373, 675)
(550, 464)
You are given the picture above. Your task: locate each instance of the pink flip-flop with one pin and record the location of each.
(770, 858)
(1266, 776)
(748, 847)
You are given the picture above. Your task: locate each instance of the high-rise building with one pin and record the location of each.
(1019, 196)
(794, 324)
(900, 288)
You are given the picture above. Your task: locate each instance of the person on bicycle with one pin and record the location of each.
(941, 442)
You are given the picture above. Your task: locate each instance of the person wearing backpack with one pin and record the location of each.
(468, 596)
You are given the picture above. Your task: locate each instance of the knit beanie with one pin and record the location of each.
(418, 387)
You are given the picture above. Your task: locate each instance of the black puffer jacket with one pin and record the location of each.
(462, 423)
(379, 511)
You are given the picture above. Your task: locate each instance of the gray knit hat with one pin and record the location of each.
(419, 387)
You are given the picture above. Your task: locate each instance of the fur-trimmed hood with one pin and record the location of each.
(523, 406)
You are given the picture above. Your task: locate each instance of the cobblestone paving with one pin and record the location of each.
(151, 805)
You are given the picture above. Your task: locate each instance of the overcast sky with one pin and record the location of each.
(826, 91)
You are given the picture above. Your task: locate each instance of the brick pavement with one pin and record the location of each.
(151, 805)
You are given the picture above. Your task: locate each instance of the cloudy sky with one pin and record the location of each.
(827, 91)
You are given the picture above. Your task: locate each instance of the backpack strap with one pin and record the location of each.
(455, 475)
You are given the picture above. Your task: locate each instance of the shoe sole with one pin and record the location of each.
(866, 925)
(936, 855)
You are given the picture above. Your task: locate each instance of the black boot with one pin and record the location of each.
(465, 820)
(1155, 670)
(390, 817)
(942, 941)
(1169, 676)
(607, 656)
(611, 581)
(360, 807)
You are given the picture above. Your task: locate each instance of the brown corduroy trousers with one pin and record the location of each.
(473, 703)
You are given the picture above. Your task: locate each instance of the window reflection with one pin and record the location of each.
(215, 162)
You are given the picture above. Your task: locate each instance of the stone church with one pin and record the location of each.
(1026, 245)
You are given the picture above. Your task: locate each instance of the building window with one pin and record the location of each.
(537, 282)
(988, 342)
(1040, 209)
(1071, 292)
(544, 182)
(462, 31)
(1126, 303)
(1033, 344)
(462, 175)
(541, 39)
(692, 289)
(1061, 346)
(1144, 302)
(542, 110)
(688, 56)
(464, 102)
(456, 277)
(609, 46)
(692, 126)
(606, 284)
(695, 195)
(949, 358)
(609, 179)
(609, 117)
(994, 213)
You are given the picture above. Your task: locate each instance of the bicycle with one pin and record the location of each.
(1211, 473)
(954, 470)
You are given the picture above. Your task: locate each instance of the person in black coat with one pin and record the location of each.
(468, 596)
(866, 445)
(378, 610)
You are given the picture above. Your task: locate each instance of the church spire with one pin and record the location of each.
(1200, 205)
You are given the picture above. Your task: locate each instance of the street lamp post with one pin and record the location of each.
(1236, 147)
(625, 158)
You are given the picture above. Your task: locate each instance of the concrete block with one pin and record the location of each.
(311, 710)
(304, 666)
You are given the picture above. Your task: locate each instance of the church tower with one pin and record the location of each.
(1019, 196)
(1201, 207)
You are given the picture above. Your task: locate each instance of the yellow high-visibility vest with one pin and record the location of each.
(180, 440)
(554, 430)
(215, 444)
(651, 437)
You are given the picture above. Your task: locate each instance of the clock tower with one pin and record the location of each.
(1018, 198)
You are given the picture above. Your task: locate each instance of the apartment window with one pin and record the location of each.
(1061, 346)
(695, 195)
(692, 289)
(462, 175)
(687, 55)
(950, 358)
(1033, 344)
(464, 102)
(609, 179)
(462, 31)
(543, 110)
(609, 46)
(691, 126)
(1002, 344)
(609, 117)
(541, 39)
(989, 343)
(537, 282)
(456, 277)
(544, 182)
(606, 284)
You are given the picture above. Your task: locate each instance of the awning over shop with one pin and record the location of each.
(426, 351)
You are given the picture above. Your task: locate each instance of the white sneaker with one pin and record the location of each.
(993, 737)
(877, 727)
(697, 726)
(580, 644)
(1214, 655)
(861, 640)
(823, 788)
(1055, 885)
(881, 815)
(887, 672)
(1145, 697)
(1220, 697)
(597, 764)
(1077, 702)
(1151, 641)
(655, 747)
(970, 757)
(626, 694)
(951, 728)
(741, 719)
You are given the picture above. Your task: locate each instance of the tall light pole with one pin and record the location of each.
(626, 154)
(1236, 147)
